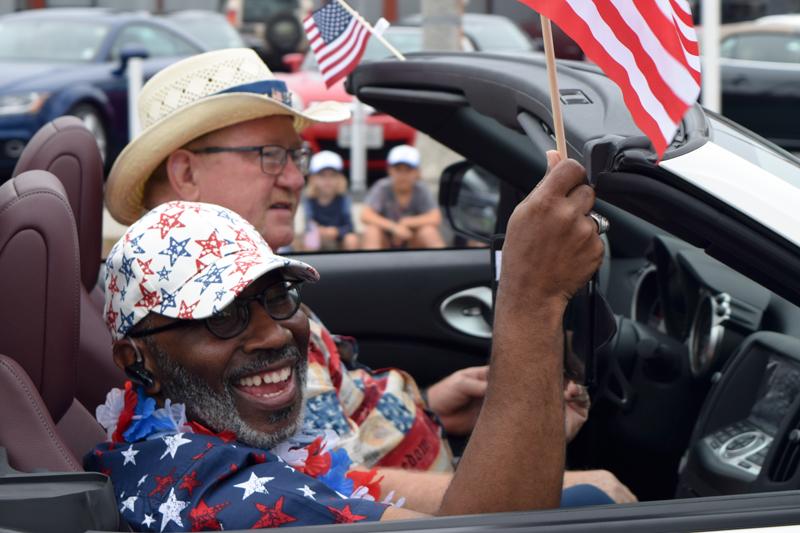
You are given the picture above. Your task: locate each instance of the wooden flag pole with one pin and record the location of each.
(370, 29)
(555, 96)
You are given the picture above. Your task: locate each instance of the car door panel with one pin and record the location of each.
(698, 514)
(391, 303)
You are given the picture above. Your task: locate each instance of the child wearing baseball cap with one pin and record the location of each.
(327, 206)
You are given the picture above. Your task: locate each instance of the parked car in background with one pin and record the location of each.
(760, 67)
(488, 33)
(208, 27)
(69, 61)
(272, 27)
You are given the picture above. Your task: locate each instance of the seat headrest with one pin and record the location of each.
(66, 148)
(40, 285)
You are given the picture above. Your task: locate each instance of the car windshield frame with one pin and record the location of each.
(55, 42)
(750, 174)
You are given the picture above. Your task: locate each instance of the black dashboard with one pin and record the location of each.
(747, 438)
(747, 435)
(697, 300)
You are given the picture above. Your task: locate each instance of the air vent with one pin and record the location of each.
(573, 96)
(786, 458)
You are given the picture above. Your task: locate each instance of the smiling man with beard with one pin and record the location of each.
(208, 325)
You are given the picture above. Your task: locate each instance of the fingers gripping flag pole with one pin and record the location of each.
(338, 35)
(555, 96)
(647, 47)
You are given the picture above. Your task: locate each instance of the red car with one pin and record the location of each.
(383, 131)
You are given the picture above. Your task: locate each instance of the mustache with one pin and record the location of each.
(264, 358)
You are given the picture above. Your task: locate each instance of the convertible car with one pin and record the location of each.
(696, 402)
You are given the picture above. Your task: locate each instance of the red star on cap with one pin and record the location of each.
(210, 246)
(187, 311)
(111, 317)
(345, 516)
(204, 518)
(243, 265)
(167, 223)
(145, 266)
(190, 482)
(112, 286)
(240, 286)
(272, 517)
(245, 241)
(149, 299)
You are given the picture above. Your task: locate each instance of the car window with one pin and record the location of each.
(770, 158)
(775, 47)
(318, 230)
(51, 40)
(158, 42)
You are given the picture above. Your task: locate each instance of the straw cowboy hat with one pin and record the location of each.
(193, 97)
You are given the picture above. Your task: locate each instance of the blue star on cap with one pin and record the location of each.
(167, 301)
(176, 250)
(126, 323)
(126, 269)
(163, 274)
(212, 275)
(135, 244)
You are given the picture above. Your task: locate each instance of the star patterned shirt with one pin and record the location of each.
(197, 482)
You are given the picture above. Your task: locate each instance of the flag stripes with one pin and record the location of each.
(648, 47)
(337, 40)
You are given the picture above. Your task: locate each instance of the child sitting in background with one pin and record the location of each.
(329, 222)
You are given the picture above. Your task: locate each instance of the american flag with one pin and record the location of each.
(337, 39)
(647, 47)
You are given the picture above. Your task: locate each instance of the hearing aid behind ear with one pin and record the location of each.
(137, 372)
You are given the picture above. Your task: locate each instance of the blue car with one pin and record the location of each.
(57, 62)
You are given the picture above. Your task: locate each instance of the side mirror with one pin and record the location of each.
(128, 52)
(470, 197)
(293, 61)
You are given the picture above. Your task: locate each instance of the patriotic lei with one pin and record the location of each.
(130, 415)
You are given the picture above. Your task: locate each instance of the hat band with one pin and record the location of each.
(275, 89)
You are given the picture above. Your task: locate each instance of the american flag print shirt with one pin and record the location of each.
(197, 482)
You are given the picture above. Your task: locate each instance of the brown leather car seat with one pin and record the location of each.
(68, 150)
(39, 328)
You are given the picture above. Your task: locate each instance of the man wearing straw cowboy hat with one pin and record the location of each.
(219, 128)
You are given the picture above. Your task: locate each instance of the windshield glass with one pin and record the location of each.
(51, 40)
(746, 172)
(768, 157)
(406, 40)
(213, 32)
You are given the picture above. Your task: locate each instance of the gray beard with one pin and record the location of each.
(218, 410)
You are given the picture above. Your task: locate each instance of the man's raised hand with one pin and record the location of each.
(552, 246)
